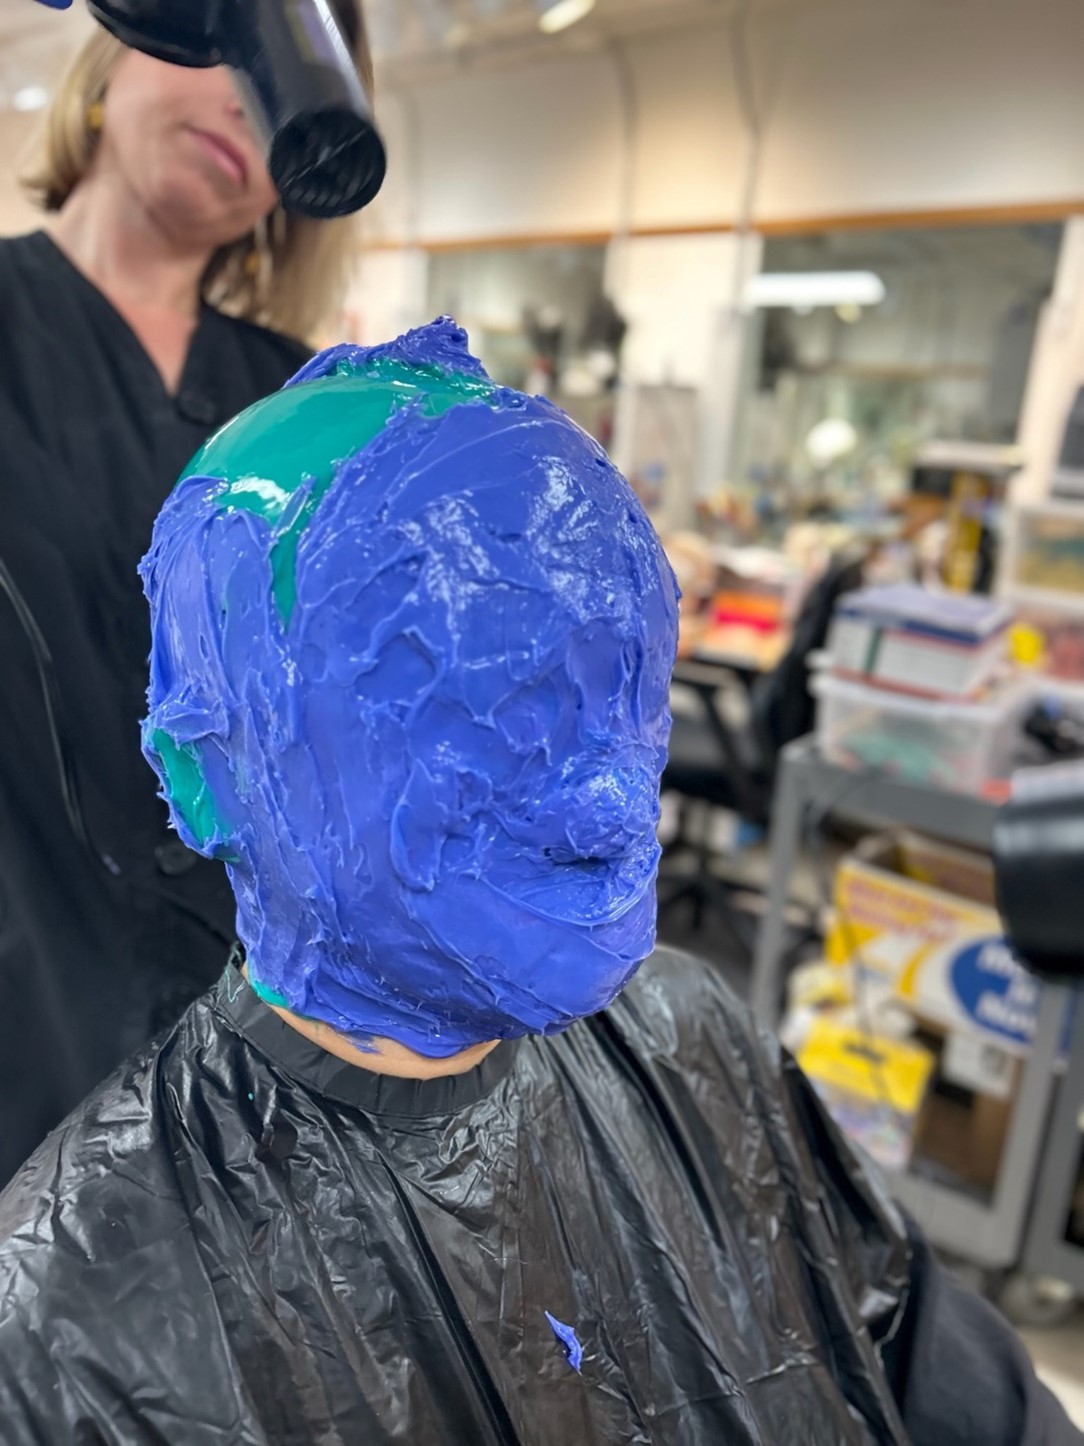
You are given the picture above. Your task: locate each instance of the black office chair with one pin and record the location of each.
(713, 763)
(710, 763)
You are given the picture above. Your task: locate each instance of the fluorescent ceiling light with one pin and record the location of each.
(30, 97)
(830, 441)
(560, 14)
(815, 288)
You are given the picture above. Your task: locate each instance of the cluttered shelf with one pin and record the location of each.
(860, 680)
(929, 1042)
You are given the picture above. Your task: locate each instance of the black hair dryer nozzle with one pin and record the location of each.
(296, 77)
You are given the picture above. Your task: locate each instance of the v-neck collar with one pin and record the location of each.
(189, 400)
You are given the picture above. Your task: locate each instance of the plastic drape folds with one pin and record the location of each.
(640, 1231)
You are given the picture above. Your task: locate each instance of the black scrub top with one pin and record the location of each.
(104, 939)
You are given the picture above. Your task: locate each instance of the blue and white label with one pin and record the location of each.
(994, 991)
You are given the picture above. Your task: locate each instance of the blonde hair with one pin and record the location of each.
(286, 274)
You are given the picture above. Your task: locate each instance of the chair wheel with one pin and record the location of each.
(1030, 1300)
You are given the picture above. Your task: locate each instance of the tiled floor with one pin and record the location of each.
(1059, 1359)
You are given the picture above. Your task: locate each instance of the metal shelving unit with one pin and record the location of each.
(989, 1233)
(1047, 1252)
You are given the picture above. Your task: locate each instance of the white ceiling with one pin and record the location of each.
(35, 43)
(35, 40)
(414, 28)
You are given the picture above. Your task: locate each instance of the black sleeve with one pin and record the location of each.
(958, 1371)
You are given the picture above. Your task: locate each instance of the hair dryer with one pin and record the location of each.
(1039, 869)
(296, 78)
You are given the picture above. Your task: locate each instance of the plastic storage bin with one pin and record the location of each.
(955, 745)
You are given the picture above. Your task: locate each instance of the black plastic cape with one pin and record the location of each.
(242, 1240)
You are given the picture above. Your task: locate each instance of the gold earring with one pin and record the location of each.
(266, 235)
(95, 115)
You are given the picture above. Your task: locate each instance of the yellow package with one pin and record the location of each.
(867, 1069)
(945, 955)
(873, 1087)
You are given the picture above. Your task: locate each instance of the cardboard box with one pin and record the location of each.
(946, 959)
(944, 953)
(945, 867)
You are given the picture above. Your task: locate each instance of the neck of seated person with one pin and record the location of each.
(385, 1056)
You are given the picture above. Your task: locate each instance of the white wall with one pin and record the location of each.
(672, 290)
(689, 147)
(534, 149)
(679, 295)
(892, 107)
(870, 107)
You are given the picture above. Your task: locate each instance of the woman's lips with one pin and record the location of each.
(226, 155)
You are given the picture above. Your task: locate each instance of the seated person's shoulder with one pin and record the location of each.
(100, 1189)
(680, 1003)
(93, 1232)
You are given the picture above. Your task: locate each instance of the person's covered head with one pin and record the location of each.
(412, 642)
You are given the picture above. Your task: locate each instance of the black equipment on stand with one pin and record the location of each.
(1039, 869)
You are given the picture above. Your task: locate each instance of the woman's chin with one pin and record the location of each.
(190, 209)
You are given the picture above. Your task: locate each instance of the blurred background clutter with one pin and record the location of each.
(813, 272)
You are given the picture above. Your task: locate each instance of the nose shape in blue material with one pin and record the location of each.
(607, 811)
